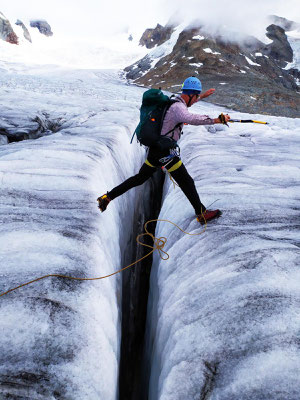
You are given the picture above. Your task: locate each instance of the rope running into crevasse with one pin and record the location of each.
(159, 244)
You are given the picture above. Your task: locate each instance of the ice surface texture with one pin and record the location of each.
(224, 312)
(61, 338)
(224, 317)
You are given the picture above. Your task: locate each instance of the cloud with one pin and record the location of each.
(240, 17)
(88, 17)
(101, 19)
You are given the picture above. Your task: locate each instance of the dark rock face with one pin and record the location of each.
(25, 30)
(12, 38)
(135, 71)
(248, 77)
(280, 49)
(156, 36)
(6, 31)
(42, 26)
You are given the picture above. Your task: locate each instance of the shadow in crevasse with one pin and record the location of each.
(135, 289)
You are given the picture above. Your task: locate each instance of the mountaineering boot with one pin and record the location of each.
(103, 202)
(207, 215)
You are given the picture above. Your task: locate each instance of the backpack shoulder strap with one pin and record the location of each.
(172, 130)
(173, 100)
(134, 133)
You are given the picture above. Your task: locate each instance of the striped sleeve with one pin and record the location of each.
(182, 115)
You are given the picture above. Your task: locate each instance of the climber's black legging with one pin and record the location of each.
(177, 171)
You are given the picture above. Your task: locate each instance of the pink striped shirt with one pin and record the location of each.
(178, 114)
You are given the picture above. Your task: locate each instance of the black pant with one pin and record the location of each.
(179, 173)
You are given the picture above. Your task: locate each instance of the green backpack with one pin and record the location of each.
(154, 106)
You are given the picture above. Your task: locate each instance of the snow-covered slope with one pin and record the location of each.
(294, 39)
(60, 338)
(224, 315)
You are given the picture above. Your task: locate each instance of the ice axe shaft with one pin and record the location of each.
(244, 121)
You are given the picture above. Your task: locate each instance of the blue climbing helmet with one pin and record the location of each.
(191, 85)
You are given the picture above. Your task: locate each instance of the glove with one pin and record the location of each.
(222, 119)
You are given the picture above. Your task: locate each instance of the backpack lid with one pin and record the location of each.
(154, 97)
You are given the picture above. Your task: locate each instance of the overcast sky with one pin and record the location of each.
(105, 18)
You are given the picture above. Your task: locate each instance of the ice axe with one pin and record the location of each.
(243, 121)
(248, 120)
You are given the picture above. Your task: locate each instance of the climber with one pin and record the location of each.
(176, 116)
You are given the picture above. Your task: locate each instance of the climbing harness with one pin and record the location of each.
(173, 153)
(167, 160)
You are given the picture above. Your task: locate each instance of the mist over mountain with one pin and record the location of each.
(257, 73)
(248, 74)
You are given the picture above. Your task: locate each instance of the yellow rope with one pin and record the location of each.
(164, 168)
(159, 244)
(172, 180)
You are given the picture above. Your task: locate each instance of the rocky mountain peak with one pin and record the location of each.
(42, 26)
(157, 36)
(248, 76)
(280, 49)
(6, 31)
(25, 30)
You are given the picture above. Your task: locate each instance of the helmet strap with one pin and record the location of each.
(190, 99)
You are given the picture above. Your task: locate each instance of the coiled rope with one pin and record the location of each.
(158, 244)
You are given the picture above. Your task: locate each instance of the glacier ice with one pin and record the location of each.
(223, 318)
(223, 315)
(61, 338)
